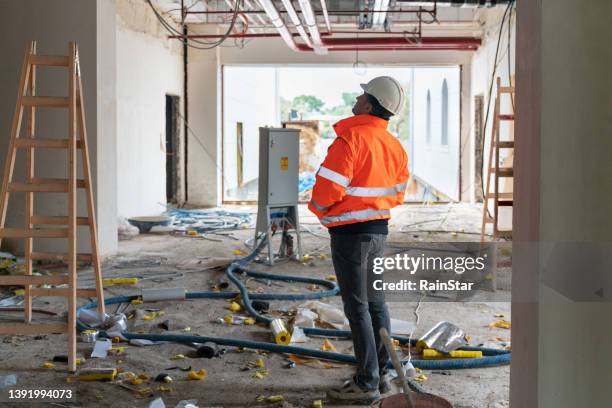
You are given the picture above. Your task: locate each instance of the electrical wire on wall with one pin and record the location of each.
(496, 63)
(191, 42)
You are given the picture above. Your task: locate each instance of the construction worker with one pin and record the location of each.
(363, 176)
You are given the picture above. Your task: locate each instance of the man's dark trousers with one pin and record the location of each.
(353, 257)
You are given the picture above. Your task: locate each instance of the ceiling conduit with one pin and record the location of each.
(325, 15)
(278, 23)
(311, 22)
(296, 22)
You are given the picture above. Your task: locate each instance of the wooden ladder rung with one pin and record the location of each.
(22, 280)
(41, 185)
(505, 203)
(29, 328)
(503, 233)
(61, 292)
(53, 256)
(46, 101)
(505, 145)
(56, 220)
(506, 117)
(45, 143)
(506, 89)
(49, 60)
(33, 233)
(503, 171)
(501, 196)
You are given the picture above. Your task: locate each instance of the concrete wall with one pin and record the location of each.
(563, 195)
(482, 66)
(54, 24)
(148, 67)
(204, 174)
(433, 162)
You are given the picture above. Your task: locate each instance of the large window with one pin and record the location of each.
(309, 98)
(444, 115)
(312, 99)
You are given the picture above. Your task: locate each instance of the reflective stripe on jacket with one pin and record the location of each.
(363, 176)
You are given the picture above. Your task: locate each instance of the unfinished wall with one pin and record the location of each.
(204, 174)
(563, 197)
(482, 67)
(54, 24)
(148, 68)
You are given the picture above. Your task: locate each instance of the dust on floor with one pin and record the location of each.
(172, 261)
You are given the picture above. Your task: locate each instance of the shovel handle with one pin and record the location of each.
(397, 365)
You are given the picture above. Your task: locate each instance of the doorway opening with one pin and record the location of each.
(172, 145)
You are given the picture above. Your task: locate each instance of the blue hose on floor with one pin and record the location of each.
(492, 357)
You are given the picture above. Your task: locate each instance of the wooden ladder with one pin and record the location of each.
(27, 102)
(500, 199)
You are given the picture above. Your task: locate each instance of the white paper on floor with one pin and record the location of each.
(305, 318)
(101, 348)
(157, 403)
(327, 313)
(298, 335)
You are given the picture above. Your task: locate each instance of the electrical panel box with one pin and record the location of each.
(279, 157)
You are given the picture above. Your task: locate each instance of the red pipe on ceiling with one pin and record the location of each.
(399, 44)
(304, 48)
(417, 43)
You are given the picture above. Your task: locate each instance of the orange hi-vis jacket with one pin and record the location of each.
(363, 176)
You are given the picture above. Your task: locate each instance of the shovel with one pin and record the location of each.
(397, 365)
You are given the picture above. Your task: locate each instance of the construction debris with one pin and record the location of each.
(196, 375)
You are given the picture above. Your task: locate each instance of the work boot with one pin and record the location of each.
(384, 384)
(351, 391)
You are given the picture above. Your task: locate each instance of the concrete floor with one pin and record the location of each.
(172, 261)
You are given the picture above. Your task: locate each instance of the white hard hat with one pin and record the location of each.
(387, 91)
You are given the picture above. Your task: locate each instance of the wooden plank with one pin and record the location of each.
(44, 185)
(49, 60)
(46, 101)
(93, 232)
(72, 205)
(9, 163)
(503, 233)
(56, 220)
(21, 280)
(505, 172)
(27, 328)
(40, 187)
(34, 233)
(506, 89)
(29, 197)
(502, 196)
(80, 182)
(61, 292)
(43, 143)
(505, 145)
(506, 117)
(52, 256)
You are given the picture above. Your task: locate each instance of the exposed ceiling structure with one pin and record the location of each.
(336, 25)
